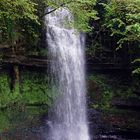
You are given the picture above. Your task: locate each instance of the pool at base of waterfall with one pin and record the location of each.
(31, 124)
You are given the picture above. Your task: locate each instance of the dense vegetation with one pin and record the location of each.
(33, 89)
(22, 20)
(117, 30)
(115, 21)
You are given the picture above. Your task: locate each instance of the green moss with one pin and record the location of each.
(104, 88)
(101, 94)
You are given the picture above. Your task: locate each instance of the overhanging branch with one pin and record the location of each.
(63, 4)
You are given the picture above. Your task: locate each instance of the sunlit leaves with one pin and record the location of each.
(122, 19)
(14, 12)
(11, 13)
(136, 71)
(16, 9)
(82, 10)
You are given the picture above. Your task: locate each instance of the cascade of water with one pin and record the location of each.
(66, 49)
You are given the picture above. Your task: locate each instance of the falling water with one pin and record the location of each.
(66, 45)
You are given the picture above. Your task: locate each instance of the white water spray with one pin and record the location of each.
(66, 50)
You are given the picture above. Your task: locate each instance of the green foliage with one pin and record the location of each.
(122, 20)
(17, 118)
(22, 19)
(105, 94)
(6, 96)
(122, 17)
(91, 50)
(12, 13)
(34, 91)
(82, 10)
(136, 71)
(107, 89)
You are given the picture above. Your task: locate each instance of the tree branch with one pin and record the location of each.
(63, 4)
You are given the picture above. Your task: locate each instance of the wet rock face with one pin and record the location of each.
(109, 126)
(96, 123)
(94, 91)
(120, 121)
(130, 103)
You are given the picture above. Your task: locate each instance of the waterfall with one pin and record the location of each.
(66, 50)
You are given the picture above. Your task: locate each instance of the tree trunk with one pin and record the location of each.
(14, 77)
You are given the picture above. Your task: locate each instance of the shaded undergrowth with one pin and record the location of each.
(32, 90)
(104, 88)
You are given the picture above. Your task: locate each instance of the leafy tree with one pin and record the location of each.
(82, 10)
(11, 14)
(22, 19)
(122, 18)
